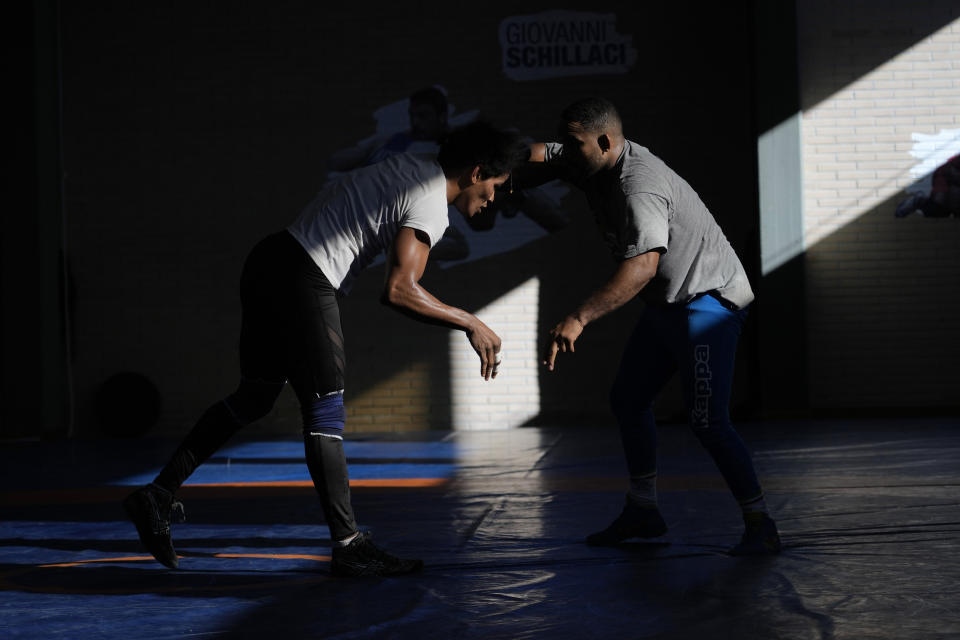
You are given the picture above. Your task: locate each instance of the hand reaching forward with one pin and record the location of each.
(562, 338)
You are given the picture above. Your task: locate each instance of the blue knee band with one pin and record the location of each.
(324, 416)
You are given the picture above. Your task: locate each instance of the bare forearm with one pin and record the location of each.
(629, 279)
(631, 276)
(414, 301)
(536, 171)
(608, 298)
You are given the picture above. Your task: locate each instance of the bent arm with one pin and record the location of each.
(537, 171)
(402, 291)
(628, 280)
(406, 263)
(631, 276)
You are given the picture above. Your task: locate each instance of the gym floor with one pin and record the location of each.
(867, 509)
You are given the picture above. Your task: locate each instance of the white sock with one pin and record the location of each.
(347, 541)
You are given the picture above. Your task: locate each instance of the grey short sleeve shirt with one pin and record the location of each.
(642, 205)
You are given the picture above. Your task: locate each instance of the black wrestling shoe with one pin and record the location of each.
(151, 508)
(363, 558)
(633, 522)
(760, 536)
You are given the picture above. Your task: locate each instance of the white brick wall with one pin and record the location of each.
(881, 292)
(856, 142)
(514, 396)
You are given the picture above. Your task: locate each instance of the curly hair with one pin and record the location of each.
(496, 151)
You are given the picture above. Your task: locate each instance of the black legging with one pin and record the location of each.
(290, 331)
(291, 320)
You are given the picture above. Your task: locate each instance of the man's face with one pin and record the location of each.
(426, 123)
(581, 149)
(478, 195)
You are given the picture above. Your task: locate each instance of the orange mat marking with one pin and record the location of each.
(271, 556)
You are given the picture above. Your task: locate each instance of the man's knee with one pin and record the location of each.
(253, 400)
(324, 415)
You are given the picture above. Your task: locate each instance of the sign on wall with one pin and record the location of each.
(564, 43)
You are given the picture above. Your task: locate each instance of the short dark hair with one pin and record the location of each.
(430, 96)
(594, 114)
(496, 151)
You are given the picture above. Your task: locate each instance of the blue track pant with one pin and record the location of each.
(699, 341)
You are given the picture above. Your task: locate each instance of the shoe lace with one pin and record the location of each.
(178, 514)
(165, 510)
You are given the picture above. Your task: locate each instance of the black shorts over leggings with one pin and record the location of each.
(291, 321)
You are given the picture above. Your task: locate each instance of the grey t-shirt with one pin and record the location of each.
(643, 205)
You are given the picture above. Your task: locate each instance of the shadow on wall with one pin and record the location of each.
(877, 330)
(210, 155)
(869, 330)
(404, 379)
(874, 33)
(881, 314)
(399, 372)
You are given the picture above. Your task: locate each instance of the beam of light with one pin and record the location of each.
(513, 397)
(781, 220)
(861, 145)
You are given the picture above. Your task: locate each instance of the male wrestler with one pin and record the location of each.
(291, 322)
(671, 252)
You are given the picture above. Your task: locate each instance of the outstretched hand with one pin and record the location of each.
(487, 345)
(562, 338)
